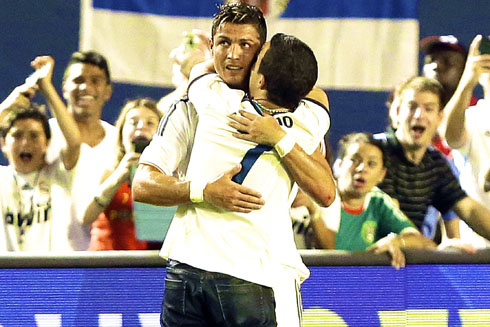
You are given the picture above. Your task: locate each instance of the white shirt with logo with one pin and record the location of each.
(35, 208)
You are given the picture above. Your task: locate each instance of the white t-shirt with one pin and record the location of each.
(92, 164)
(472, 161)
(248, 246)
(35, 208)
(477, 151)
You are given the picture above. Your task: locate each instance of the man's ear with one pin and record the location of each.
(440, 117)
(108, 92)
(394, 111)
(383, 174)
(210, 43)
(262, 82)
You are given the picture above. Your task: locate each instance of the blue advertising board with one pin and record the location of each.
(421, 295)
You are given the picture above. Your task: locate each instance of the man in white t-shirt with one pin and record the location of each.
(35, 195)
(86, 88)
(467, 129)
(247, 245)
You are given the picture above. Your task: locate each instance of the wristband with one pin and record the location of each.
(285, 145)
(196, 191)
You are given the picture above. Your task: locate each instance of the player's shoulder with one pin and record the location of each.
(181, 105)
(318, 97)
(204, 78)
(313, 111)
(377, 194)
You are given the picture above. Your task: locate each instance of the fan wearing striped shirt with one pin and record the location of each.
(417, 174)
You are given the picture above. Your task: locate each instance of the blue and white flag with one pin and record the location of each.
(359, 44)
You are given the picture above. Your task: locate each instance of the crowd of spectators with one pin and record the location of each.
(422, 176)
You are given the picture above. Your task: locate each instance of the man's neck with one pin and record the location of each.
(414, 155)
(352, 203)
(29, 172)
(267, 103)
(270, 107)
(92, 133)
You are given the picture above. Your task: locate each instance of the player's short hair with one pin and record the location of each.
(290, 70)
(239, 13)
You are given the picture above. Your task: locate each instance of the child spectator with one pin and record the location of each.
(35, 195)
(369, 218)
(111, 209)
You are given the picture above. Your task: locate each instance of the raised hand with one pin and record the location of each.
(44, 71)
(127, 163)
(21, 96)
(476, 64)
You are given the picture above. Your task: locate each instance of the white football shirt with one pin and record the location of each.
(248, 246)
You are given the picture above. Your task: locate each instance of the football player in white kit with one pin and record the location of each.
(224, 264)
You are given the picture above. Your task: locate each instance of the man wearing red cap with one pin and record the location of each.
(444, 59)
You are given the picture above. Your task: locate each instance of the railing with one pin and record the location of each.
(310, 257)
(125, 288)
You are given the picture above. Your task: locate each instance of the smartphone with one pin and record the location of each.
(484, 46)
(140, 144)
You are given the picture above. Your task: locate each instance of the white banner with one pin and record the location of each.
(367, 51)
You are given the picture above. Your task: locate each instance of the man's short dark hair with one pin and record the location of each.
(238, 13)
(359, 138)
(92, 58)
(18, 113)
(290, 70)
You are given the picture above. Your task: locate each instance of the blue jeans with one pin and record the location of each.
(195, 297)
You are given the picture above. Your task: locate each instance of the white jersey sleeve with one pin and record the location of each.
(314, 118)
(171, 146)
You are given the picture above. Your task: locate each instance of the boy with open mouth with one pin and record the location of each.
(35, 196)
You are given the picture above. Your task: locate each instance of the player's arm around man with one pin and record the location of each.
(312, 172)
(161, 187)
(154, 187)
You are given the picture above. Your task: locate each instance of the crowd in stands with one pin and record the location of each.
(422, 175)
(422, 183)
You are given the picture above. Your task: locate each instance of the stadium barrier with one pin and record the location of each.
(125, 288)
